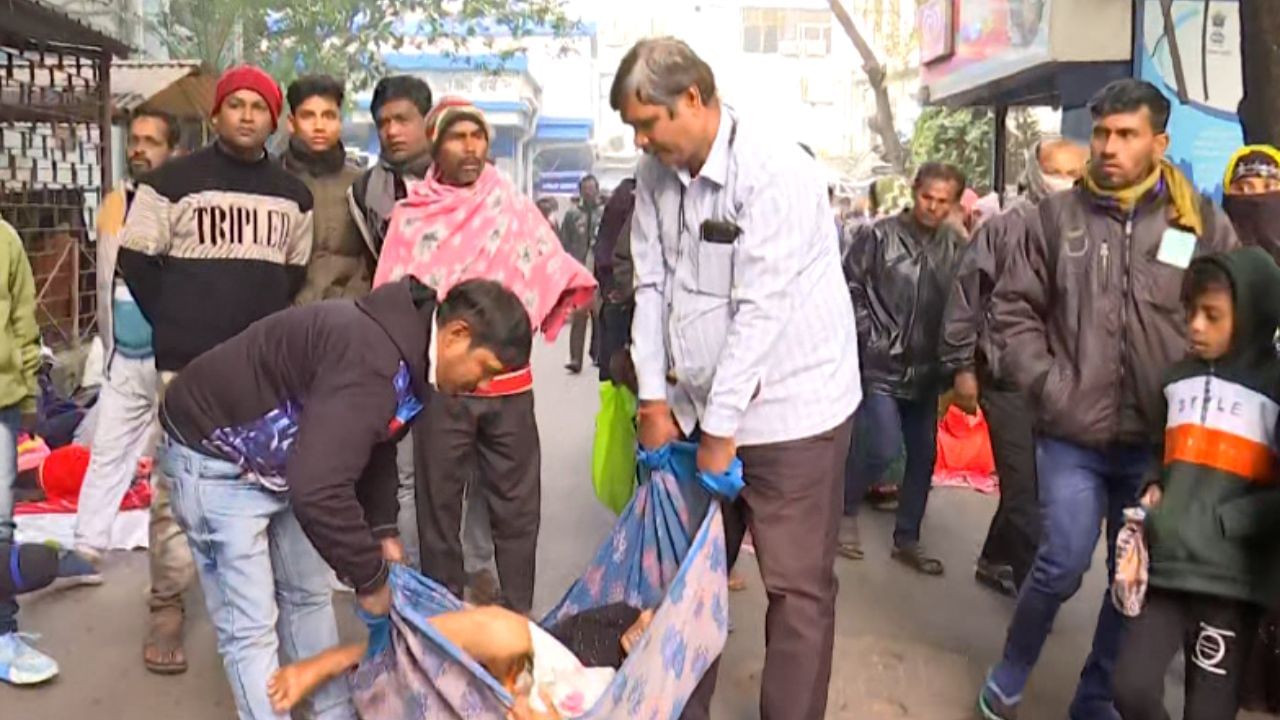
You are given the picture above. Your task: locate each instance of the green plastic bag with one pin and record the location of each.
(613, 453)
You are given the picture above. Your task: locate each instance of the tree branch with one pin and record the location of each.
(892, 151)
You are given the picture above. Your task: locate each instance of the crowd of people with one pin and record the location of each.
(331, 367)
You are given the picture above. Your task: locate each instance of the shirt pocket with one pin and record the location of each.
(715, 269)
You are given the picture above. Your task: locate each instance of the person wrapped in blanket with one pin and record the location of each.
(1213, 505)
(553, 674)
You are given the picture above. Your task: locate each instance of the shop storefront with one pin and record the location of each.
(1004, 53)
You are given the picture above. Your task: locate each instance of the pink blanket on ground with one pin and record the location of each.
(442, 235)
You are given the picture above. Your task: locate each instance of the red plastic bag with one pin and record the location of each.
(964, 451)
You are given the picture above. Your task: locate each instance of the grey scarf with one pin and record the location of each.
(386, 186)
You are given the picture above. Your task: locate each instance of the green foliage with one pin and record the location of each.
(962, 137)
(345, 38)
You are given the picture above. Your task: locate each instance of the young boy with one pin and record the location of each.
(20, 664)
(1213, 521)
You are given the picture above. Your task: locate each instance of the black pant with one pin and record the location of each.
(1015, 529)
(613, 325)
(1216, 635)
(494, 440)
(579, 323)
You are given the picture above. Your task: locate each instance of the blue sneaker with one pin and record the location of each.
(75, 570)
(992, 707)
(21, 664)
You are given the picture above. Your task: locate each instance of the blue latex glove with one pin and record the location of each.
(654, 459)
(379, 627)
(727, 484)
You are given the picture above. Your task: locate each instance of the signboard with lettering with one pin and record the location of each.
(993, 39)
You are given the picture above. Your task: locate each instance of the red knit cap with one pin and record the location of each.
(248, 77)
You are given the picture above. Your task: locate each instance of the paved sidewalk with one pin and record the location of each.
(908, 646)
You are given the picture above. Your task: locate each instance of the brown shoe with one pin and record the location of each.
(162, 652)
(914, 558)
(482, 588)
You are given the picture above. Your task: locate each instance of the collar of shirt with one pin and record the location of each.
(716, 168)
(431, 351)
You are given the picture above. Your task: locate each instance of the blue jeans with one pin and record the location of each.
(889, 423)
(1079, 489)
(264, 584)
(10, 421)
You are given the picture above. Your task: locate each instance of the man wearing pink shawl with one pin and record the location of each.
(465, 220)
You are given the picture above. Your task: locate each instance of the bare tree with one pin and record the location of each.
(1260, 54)
(892, 151)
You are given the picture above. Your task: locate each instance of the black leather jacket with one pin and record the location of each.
(900, 276)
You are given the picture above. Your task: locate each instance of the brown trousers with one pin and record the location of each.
(792, 503)
(172, 568)
(494, 441)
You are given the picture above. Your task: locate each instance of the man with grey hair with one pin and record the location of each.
(744, 339)
(971, 354)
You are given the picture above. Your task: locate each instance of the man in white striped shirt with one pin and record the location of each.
(744, 335)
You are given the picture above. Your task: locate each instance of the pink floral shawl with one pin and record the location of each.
(443, 235)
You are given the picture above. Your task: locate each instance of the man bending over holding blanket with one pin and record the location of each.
(281, 442)
(465, 220)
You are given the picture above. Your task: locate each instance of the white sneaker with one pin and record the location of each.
(21, 664)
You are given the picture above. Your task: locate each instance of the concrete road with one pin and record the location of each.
(907, 646)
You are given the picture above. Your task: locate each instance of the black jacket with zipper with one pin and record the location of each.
(900, 275)
(968, 342)
(1089, 318)
(311, 401)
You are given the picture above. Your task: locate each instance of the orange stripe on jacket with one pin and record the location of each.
(1220, 450)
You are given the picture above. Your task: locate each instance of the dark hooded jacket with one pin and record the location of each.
(311, 401)
(967, 340)
(900, 276)
(1217, 529)
(1088, 316)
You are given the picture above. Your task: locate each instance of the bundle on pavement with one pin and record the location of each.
(52, 518)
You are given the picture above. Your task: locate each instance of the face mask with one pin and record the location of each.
(1256, 219)
(1058, 183)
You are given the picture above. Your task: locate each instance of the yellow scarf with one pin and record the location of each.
(1184, 199)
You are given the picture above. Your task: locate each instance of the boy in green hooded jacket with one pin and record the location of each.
(1213, 520)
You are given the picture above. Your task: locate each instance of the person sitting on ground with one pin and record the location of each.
(570, 667)
(1214, 507)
